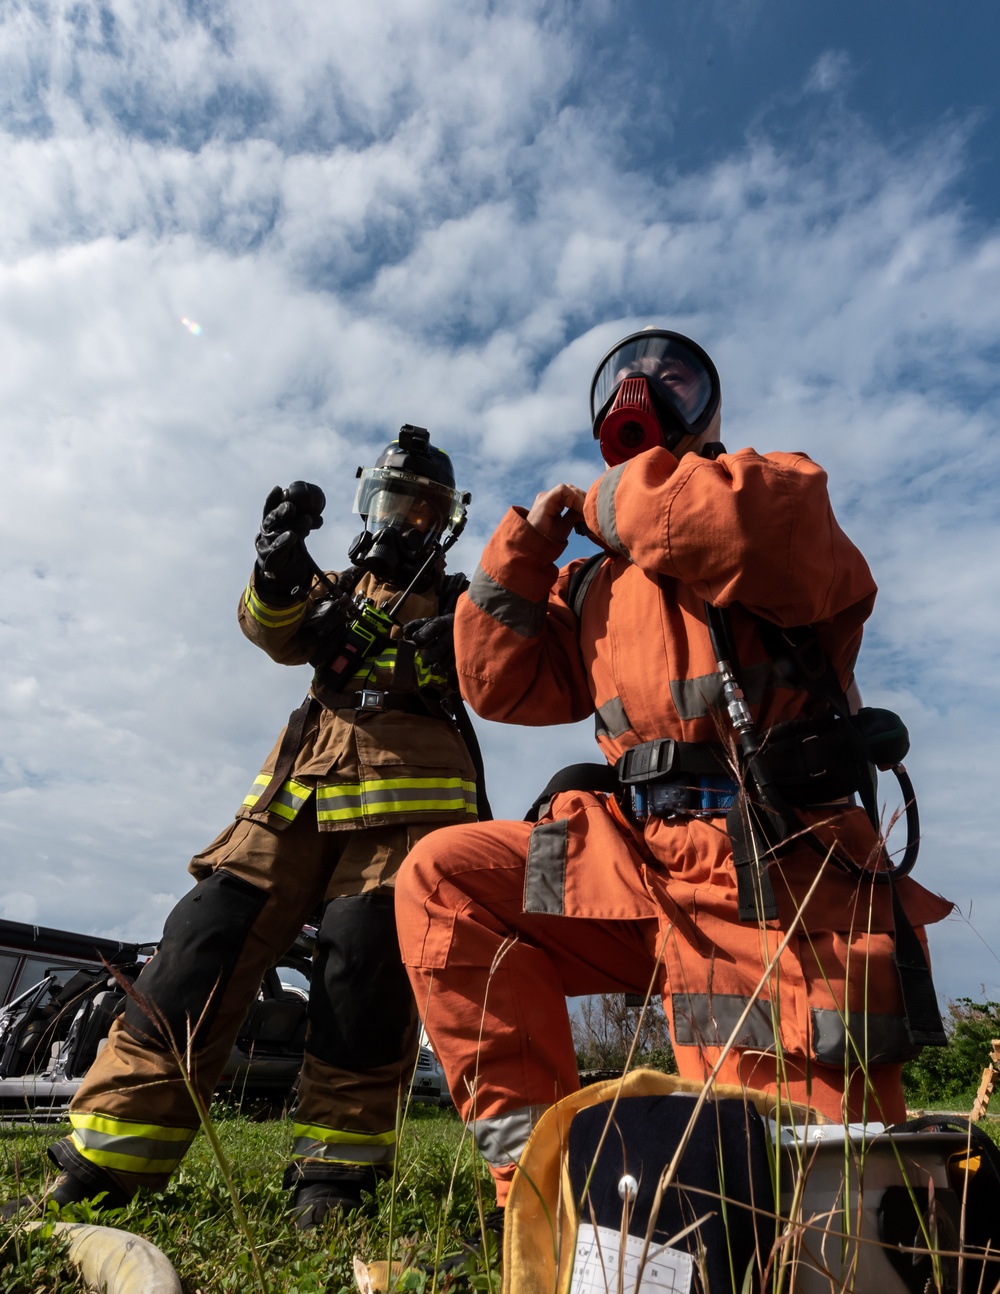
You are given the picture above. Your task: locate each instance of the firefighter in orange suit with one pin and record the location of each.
(500, 922)
(371, 762)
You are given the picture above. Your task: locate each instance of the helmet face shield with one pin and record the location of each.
(682, 385)
(388, 497)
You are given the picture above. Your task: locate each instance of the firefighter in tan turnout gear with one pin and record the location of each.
(371, 761)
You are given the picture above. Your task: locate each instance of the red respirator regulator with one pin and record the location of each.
(655, 387)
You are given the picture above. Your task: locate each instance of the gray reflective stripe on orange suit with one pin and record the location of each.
(709, 1019)
(545, 868)
(502, 1139)
(607, 520)
(509, 609)
(612, 720)
(694, 698)
(874, 1039)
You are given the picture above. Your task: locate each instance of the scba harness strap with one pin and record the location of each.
(804, 763)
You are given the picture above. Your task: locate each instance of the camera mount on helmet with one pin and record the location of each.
(654, 387)
(410, 506)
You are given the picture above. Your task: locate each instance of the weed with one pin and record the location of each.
(192, 1221)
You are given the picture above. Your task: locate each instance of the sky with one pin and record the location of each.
(241, 243)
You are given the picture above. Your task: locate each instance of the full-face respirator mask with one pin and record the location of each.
(653, 388)
(410, 506)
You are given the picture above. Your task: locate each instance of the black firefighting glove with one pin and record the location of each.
(284, 567)
(434, 638)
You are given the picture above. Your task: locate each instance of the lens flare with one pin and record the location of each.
(193, 327)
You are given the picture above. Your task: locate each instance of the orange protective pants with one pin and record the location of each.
(491, 980)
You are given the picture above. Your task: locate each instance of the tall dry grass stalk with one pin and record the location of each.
(184, 1060)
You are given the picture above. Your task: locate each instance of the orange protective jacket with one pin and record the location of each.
(754, 533)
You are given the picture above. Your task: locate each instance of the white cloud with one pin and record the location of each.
(829, 72)
(404, 214)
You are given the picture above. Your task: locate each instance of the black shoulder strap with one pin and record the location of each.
(291, 744)
(580, 581)
(799, 652)
(451, 588)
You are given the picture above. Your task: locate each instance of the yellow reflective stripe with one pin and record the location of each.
(250, 799)
(334, 1146)
(131, 1147)
(344, 801)
(272, 617)
(336, 1137)
(426, 676)
(385, 661)
(425, 804)
(124, 1127)
(288, 801)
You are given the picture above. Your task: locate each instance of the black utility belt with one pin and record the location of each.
(807, 762)
(373, 700)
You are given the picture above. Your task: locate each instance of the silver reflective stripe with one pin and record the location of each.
(509, 609)
(339, 801)
(545, 868)
(353, 801)
(343, 1152)
(439, 795)
(133, 1153)
(289, 798)
(694, 698)
(613, 719)
(708, 1019)
(607, 521)
(875, 1039)
(502, 1140)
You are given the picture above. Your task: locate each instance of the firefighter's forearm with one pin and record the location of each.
(274, 630)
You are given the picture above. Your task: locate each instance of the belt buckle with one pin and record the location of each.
(371, 698)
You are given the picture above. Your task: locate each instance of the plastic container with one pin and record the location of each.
(858, 1200)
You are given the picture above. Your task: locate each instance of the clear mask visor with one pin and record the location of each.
(680, 374)
(388, 497)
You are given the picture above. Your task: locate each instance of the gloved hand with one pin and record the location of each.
(283, 565)
(434, 638)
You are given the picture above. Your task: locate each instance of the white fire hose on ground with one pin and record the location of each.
(116, 1261)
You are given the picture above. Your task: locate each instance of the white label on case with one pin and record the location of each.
(600, 1266)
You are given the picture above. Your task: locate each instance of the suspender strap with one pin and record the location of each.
(923, 1019)
(754, 892)
(291, 744)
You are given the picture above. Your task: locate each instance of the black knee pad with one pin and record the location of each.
(202, 940)
(360, 1004)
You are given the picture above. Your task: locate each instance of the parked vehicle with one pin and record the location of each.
(429, 1083)
(60, 993)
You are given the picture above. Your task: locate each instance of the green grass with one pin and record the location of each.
(439, 1184)
(193, 1222)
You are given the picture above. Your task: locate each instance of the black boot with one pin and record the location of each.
(474, 1246)
(81, 1180)
(322, 1192)
(314, 1202)
(70, 1189)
